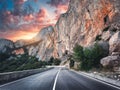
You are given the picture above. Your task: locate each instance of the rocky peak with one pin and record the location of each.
(6, 46)
(44, 33)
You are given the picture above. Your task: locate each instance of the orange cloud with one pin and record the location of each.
(41, 15)
(16, 27)
(27, 32)
(29, 17)
(62, 8)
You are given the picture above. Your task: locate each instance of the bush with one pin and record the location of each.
(23, 62)
(4, 56)
(56, 61)
(72, 63)
(98, 38)
(50, 62)
(106, 29)
(89, 58)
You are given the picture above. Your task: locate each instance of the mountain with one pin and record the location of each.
(85, 22)
(45, 46)
(6, 46)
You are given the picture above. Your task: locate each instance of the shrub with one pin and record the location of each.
(56, 61)
(4, 56)
(89, 58)
(72, 63)
(94, 55)
(98, 38)
(106, 29)
(50, 62)
(23, 62)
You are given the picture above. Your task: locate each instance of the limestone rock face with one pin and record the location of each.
(45, 47)
(107, 35)
(6, 46)
(84, 20)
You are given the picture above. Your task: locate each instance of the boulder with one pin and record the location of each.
(113, 61)
(107, 35)
(114, 43)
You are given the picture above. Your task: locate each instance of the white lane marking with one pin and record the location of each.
(56, 79)
(90, 77)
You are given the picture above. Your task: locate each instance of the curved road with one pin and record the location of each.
(56, 79)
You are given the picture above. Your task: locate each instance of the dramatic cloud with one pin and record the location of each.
(60, 5)
(41, 15)
(18, 10)
(22, 19)
(56, 3)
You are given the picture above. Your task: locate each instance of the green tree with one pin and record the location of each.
(78, 54)
(57, 61)
(89, 57)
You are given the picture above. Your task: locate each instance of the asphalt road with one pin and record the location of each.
(56, 79)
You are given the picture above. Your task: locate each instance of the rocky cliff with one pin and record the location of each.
(85, 22)
(45, 46)
(41, 46)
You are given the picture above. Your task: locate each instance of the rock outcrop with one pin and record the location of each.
(6, 46)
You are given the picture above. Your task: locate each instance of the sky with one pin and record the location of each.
(23, 19)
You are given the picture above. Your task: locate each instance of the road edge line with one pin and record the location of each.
(101, 81)
(55, 81)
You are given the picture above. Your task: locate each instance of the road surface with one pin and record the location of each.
(56, 79)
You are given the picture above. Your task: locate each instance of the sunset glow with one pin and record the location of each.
(23, 19)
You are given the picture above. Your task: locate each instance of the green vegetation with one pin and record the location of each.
(3, 56)
(106, 29)
(98, 38)
(24, 62)
(114, 29)
(88, 58)
(72, 63)
(54, 61)
(78, 53)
